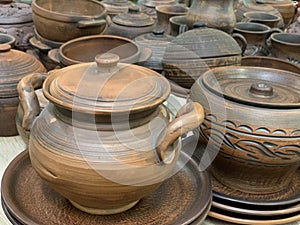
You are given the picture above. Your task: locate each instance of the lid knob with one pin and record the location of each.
(261, 89)
(158, 32)
(107, 62)
(133, 9)
(4, 47)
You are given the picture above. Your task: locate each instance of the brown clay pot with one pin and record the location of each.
(262, 17)
(7, 39)
(157, 41)
(192, 53)
(105, 140)
(131, 24)
(14, 65)
(16, 20)
(84, 49)
(286, 46)
(115, 7)
(252, 119)
(149, 6)
(270, 62)
(62, 22)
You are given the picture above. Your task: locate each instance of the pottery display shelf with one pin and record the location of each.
(12, 146)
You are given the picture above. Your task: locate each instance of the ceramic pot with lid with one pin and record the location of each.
(16, 20)
(14, 65)
(192, 53)
(157, 41)
(255, 121)
(105, 140)
(131, 24)
(74, 18)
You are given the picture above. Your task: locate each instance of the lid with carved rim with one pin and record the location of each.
(106, 86)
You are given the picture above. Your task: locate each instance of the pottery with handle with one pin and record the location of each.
(105, 140)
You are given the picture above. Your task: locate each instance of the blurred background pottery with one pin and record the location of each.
(149, 6)
(157, 41)
(252, 119)
(85, 49)
(14, 65)
(262, 17)
(100, 145)
(62, 22)
(192, 53)
(218, 14)
(256, 35)
(16, 20)
(165, 12)
(115, 7)
(286, 46)
(130, 24)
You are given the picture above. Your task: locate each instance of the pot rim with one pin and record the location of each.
(276, 40)
(68, 61)
(64, 17)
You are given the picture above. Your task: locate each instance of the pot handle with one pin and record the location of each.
(189, 117)
(241, 40)
(90, 23)
(28, 99)
(271, 31)
(54, 55)
(39, 45)
(145, 55)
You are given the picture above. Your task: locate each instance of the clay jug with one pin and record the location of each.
(218, 14)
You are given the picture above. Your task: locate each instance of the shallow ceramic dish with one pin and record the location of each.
(182, 199)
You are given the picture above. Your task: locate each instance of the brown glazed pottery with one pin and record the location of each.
(84, 49)
(270, 62)
(178, 25)
(14, 65)
(130, 24)
(286, 46)
(265, 18)
(256, 35)
(257, 135)
(16, 20)
(61, 22)
(157, 41)
(192, 53)
(251, 5)
(165, 12)
(218, 14)
(105, 140)
(285, 7)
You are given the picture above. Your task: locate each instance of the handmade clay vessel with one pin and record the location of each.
(165, 12)
(84, 49)
(14, 65)
(250, 6)
(256, 35)
(157, 41)
(131, 24)
(262, 17)
(63, 22)
(192, 53)
(7, 39)
(218, 14)
(178, 25)
(115, 7)
(252, 119)
(149, 6)
(105, 140)
(16, 20)
(286, 46)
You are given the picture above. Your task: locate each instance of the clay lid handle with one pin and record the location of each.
(107, 62)
(261, 90)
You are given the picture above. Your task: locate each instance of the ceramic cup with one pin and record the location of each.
(178, 25)
(265, 18)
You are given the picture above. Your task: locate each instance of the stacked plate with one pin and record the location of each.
(184, 198)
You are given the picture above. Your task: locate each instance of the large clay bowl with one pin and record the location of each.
(61, 21)
(252, 119)
(270, 62)
(84, 49)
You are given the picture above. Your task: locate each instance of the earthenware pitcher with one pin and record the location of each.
(218, 14)
(105, 140)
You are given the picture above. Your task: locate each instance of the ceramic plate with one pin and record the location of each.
(29, 200)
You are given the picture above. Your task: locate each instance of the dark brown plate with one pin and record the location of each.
(29, 200)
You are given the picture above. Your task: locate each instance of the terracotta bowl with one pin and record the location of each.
(252, 119)
(84, 49)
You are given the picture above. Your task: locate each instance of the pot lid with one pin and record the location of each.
(158, 36)
(134, 18)
(14, 65)
(202, 42)
(15, 13)
(106, 86)
(256, 86)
